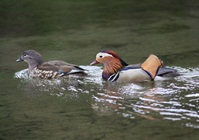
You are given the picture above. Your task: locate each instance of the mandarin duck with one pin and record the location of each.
(47, 70)
(116, 69)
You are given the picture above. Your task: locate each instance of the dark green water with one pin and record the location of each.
(88, 108)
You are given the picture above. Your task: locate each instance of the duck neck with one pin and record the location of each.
(32, 65)
(110, 68)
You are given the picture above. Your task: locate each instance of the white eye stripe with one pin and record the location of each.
(101, 54)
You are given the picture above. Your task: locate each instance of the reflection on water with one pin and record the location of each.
(165, 99)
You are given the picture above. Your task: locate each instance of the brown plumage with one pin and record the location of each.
(47, 70)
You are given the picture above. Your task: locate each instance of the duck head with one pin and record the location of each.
(111, 61)
(31, 57)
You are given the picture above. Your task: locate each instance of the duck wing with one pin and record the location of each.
(47, 67)
(162, 71)
(58, 63)
(62, 68)
(65, 68)
(167, 72)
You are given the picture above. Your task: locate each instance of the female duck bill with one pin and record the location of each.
(19, 59)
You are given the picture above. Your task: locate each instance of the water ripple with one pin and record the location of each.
(175, 99)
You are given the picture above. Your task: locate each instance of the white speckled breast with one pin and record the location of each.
(44, 74)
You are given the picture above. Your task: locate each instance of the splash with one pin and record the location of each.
(174, 99)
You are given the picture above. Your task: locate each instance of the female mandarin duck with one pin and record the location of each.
(47, 70)
(116, 69)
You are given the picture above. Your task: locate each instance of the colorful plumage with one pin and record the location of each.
(116, 69)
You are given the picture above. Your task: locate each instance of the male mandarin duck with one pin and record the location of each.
(47, 70)
(116, 69)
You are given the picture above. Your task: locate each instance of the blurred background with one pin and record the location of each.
(76, 30)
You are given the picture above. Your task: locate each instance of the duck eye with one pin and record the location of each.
(100, 56)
